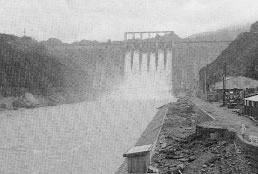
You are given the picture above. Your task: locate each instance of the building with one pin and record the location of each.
(251, 106)
(239, 82)
(138, 158)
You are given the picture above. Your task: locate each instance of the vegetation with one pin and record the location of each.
(25, 67)
(61, 72)
(240, 56)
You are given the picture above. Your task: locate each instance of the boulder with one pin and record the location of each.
(28, 101)
(177, 170)
(31, 99)
(21, 103)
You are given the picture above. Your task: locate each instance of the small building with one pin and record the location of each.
(239, 82)
(241, 86)
(251, 106)
(138, 158)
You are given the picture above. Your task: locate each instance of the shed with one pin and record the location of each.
(138, 158)
(251, 106)
(239, 82)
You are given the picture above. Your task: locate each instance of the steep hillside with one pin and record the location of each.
(240, 56)
(228, 33)
(25, 66)
(196, 51)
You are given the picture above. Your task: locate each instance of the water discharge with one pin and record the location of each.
(88, 137)
(144, 84)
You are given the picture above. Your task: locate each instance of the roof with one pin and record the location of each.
(230, 77)
(138, 150)
(253, 98)
(239, 82)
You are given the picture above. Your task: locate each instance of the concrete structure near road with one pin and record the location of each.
(139, 158)
(251, 106)
(149, 136)
(239, 82)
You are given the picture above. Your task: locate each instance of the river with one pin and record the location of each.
(87, 137)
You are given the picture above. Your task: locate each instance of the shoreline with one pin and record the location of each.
(182, 144)
(149, 135)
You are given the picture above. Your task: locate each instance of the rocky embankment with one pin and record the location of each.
(180, 150)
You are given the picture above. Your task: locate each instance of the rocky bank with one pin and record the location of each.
(180, 150)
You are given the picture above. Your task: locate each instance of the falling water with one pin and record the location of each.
(143, 84)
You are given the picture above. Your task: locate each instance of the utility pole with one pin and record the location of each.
(205, 81)
(224, 83)
(205, 78)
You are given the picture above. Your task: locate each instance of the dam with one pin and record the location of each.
(88, 137)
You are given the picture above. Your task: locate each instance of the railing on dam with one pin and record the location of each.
(137, 42)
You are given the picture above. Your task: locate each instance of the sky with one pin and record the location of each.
(74, 20)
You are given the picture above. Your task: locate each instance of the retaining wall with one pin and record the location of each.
(250, 149)
(201, 115)
(149, 136)
(218, 133)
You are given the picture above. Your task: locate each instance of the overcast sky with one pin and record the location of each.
(71, 20)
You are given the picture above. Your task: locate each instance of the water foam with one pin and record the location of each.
(141, 84)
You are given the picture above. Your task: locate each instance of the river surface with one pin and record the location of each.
(88, 137)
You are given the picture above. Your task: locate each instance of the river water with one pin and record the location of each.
(88, 137)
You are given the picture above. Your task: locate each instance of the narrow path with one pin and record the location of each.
(226, 117)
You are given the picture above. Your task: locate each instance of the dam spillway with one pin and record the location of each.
(87, 137)
(145, 73)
